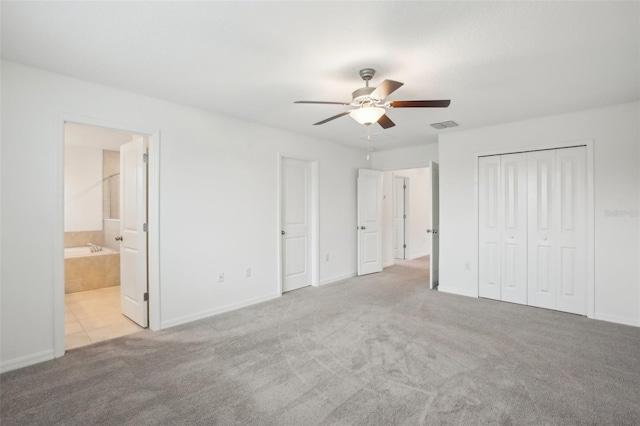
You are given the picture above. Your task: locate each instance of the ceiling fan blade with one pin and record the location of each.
(386, 88)
(321, 102)
(332, 118)
(420, 104)
(386, 122)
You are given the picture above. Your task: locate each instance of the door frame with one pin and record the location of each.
(314, 260)
(153, 215)
(588, 144)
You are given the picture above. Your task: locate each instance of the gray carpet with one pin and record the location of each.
(375, 350)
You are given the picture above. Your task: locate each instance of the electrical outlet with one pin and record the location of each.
(221, 277)
(247, 272)
(326, 257)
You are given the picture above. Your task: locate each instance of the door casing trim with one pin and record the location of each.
(153, 216)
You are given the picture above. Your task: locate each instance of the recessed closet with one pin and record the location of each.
(533, 228)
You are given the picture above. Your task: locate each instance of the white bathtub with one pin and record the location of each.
(72, 252)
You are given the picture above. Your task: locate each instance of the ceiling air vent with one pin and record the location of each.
(444, 125)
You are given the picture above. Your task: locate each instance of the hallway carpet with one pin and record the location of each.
(375, 350)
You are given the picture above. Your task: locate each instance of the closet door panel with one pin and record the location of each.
(489, 221)
(514, 227)
(542, 229)
(571, 175)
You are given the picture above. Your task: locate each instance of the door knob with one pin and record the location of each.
(119, 238)
(428, 231)
(363, 227)
(435, 231)
(282, 232)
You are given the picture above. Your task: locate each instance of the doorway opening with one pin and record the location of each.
(399, 212)
(102, 194)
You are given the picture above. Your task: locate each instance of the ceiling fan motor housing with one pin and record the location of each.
(362, 95)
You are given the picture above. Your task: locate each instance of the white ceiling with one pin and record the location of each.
(496, 61)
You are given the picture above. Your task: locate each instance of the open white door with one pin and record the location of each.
(435, 225)
(133, 236)
(296, 224)
(369, 221)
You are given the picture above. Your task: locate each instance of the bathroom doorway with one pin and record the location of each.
(93, 205)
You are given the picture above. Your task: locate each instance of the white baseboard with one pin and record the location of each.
(205, 314)
(25, 361)
(338, 278)
(619, 320)
(417, 255)
(389, 263)
(451, 290)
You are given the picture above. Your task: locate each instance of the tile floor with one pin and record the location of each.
(93, 316)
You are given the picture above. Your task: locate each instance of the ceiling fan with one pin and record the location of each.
(370, 105)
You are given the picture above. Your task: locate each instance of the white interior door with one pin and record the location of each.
(542, 228)
(399, 217)
(296, 224)
(133, 217)
(489, 208)
(513, 201)
(369, 189)
(434, 258)
(557, 229)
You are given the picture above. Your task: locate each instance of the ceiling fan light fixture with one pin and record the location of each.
(367, 115)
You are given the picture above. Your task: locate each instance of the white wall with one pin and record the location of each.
(405, 158)
(82, 188)
(615, 134)
(218, 203)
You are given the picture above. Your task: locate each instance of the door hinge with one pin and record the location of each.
(404, 216)
(145, 297)
(145, 158)
(404, 186)
(404, 246)
(145, 227)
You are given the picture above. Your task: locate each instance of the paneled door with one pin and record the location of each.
(489, 227)
(557, 229)
(399, 217)
(133, 235)
(434, 257)
(532, 228)
(296, 224)
(513, 229)
(369, 223)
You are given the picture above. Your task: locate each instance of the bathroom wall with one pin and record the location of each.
(82, 238)
(111, 229)
(110, 184)
(82, 188)
(111, 198)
